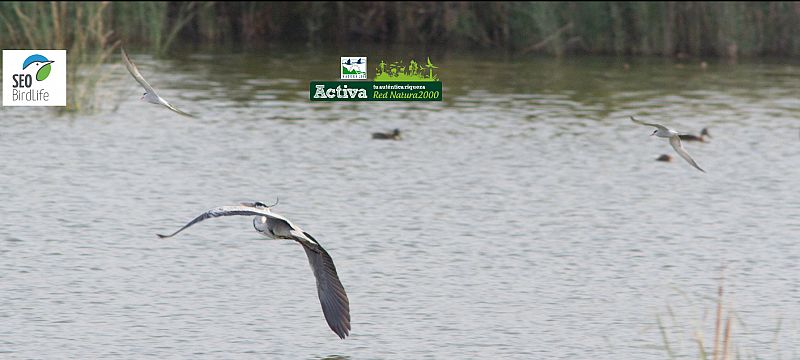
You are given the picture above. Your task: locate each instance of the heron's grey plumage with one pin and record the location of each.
(150, 94)
(332, 296)
(222, 211)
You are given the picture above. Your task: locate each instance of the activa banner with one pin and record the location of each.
(395, 81)
(375, 91)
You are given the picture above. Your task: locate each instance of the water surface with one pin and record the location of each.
(522, 217)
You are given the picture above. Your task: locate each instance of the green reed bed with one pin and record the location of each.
(723, 29)
(92, 31)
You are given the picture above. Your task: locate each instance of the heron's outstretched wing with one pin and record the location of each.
(136, 74)
(675, 141)
(223, 211)
(335, 305)
(649, 124)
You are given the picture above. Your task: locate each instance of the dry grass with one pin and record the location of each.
(722, 346)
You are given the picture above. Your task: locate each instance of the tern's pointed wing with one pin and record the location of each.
(147, 88)
(335, 305)
(675, 141)
(223, 211)
(136, 74)
(649, 124)
(173, 108)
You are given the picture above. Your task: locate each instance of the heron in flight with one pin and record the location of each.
(150, 93)
(332, 297)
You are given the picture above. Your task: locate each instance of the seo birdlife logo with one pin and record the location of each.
(34, 77)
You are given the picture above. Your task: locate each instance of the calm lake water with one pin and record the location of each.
(522, 217)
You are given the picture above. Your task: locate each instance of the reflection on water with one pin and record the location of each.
(524, 215)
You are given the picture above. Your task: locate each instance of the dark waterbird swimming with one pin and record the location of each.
(664, 157)
(332, 297)
(691, 137)
(394, 135)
